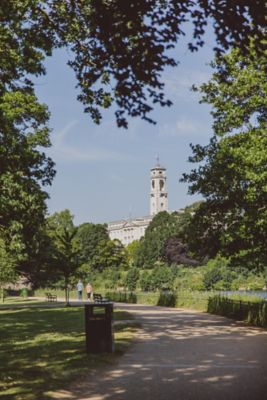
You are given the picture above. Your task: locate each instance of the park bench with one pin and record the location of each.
(98, 298)
(51, 297)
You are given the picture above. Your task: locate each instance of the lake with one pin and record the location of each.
(258, 293)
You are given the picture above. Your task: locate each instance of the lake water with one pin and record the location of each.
(258, 293)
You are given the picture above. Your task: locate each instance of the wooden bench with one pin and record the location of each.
(51, 297)
(98, 298)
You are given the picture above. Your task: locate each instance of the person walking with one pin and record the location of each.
(80, 290)
(89, 291)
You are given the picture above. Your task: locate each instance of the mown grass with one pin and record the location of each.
(185, 299)
(20, 302)
(42, 348)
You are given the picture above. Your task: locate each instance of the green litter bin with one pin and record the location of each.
(24, 292)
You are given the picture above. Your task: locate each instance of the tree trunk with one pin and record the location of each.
(2, 290)
(67, 295)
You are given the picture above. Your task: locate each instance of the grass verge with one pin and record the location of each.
(43, 349)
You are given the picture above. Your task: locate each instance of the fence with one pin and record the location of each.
(254, 313)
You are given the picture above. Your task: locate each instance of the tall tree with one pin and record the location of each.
(232, 176)
(88, 237)
(7, 267)
(109, 254)
(166, 239)
(62, 232)
(176, 252)
(132, 252)
(24, 169)
(151, 245)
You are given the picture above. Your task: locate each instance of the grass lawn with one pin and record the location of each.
(42, 348)
(20, 302)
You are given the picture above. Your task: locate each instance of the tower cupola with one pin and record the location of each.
(158, 191)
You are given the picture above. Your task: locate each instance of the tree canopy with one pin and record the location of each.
(88, 237)
(165, 239)
(118, 48)
(64, 247)
(232, 175)
(109, 254)
(118, 51)
(157, 232)
(24, 168)
(7, 266)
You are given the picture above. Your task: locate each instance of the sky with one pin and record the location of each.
(103, 172)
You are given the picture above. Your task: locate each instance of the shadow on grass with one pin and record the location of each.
(43, 349)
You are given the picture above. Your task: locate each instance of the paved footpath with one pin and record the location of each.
(182, 355)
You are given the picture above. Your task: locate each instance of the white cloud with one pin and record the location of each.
(183, 127)
(60, 136)
(109, 128)
(71, 154)
(178, 84)
(62, 151)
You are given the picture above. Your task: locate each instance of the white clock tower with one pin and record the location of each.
(158, 193)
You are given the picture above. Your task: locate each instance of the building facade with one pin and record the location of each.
(133, 229)
(128, 230)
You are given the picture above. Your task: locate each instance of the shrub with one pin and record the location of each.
(145, 281)
(167, 299)
(161, 278)
(132, 279)
(122, 297)
(252, 281)
(212, 277)
(218, 275)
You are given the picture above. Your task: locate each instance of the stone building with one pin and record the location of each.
(158, 193)
(133, 229)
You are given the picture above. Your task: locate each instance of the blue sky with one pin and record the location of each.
(103, 171)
